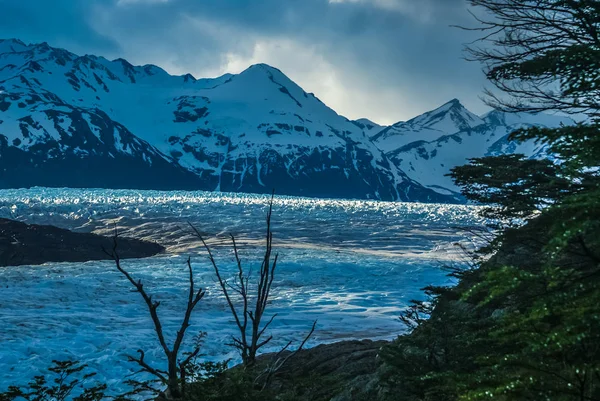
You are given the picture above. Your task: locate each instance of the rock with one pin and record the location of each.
(30, 244)
(341, 371)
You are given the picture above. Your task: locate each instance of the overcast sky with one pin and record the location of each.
(387, 60)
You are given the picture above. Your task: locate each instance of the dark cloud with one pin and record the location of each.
(57, 21)
(383, 59)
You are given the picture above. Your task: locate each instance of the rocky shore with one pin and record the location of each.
(341, 371)
(31, 244)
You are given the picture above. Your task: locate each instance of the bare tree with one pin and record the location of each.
(174, 377)
(521, 38)
(249, 316)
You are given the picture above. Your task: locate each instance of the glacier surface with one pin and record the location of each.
(351, 265)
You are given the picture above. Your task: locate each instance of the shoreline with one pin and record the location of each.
(32, 244)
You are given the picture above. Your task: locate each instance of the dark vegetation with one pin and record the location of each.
(32, 244)
(342, 371)
(523, 323)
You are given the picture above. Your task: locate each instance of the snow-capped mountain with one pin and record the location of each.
(429, 146)
(85, 121)
(449, 118)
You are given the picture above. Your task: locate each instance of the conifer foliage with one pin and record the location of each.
(525, 325)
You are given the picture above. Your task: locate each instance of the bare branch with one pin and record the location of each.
(518, 33)
(249, 341)
(152, 306)
(162, 375)
(174, 378)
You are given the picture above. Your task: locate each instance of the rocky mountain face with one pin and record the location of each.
(427, 147)
(85, 121)
(369, 127)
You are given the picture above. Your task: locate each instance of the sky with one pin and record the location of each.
(386, 60)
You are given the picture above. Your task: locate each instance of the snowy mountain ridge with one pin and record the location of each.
(427, 147)
(448, 118)
(85, 121)
(68, 120)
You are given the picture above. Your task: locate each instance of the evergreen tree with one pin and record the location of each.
(526, 324)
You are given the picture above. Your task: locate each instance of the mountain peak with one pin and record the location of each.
(267, 70)
(12, 41)
(367, 121)
(11, 45)
(248, 132)
(366, 125)
(265, 78)
(262, 66)
(452, 117)
(124, 62)
(18, 46)
(447, 119)
(189, 78)
(450, 105)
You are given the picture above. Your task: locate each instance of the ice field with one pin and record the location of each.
(351, 265)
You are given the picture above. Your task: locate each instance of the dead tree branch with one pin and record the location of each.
(248, 318)
(174, 377)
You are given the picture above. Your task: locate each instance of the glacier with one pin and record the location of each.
(351, 265)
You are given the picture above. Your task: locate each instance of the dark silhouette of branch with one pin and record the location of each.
(174, 377)
(152, 305)
(517, 34)
(249, 322)
(161, 374)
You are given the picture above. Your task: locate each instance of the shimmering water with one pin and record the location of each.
(352, 265)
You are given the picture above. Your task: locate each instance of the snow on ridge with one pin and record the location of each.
(497, 117)
(447, 119)
(247, 132)
(250, 130)
(369, 127)
(429, 161)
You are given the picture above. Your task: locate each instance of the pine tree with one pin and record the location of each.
(525, 325)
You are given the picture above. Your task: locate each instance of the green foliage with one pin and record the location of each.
(545, 54)
(424, 364)
(514, 186)
(526, 324)
(66, 384)
(577, 146)
(578, 65)
(219, 384)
